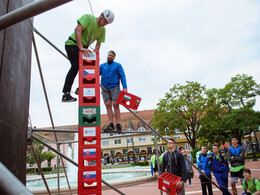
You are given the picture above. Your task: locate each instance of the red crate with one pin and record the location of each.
(169, 181)
(89, 136)
(89, 181)
(89, 95)
(89, 157)
(128, 100)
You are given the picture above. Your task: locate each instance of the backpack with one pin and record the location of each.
(252, 180)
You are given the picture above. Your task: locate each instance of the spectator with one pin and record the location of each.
(174, 163)
(220, 168)
(235, 156)
(250, 183)
(205, 183)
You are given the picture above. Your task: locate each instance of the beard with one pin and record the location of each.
(110, 61)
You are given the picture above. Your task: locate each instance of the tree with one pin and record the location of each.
(211, 124)
(182, 109)
(42, 156)
(230, 109)
(241, 121)
(241, 91)
(49, 156)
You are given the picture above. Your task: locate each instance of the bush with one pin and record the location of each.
(46, 169)
(250, 156)
(140, 163)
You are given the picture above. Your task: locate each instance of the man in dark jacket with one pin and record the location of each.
(235, 156)
(174, 162)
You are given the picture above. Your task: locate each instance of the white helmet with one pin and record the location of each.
(109, 15)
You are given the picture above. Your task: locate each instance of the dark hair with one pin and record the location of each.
(233, 136)
(172, 139)
(113, 52)
(247, 171)
(204, 146)
(214, 145)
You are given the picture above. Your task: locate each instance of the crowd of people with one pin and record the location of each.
(221, 164)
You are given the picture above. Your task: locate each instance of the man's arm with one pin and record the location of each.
(205, 164)
(199, 164)
(122, 76)
(241, 156)
(98, 45)
(229, 157)
(78, 31)
(183, 168)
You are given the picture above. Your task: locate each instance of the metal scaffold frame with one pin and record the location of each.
(22, 14)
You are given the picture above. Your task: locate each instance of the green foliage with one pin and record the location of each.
(41, 156)
(208, 116)
(36, 170)
(181, 109)
(140, 163)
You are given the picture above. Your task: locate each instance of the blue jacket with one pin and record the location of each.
(238, 154)
(111, 74)
(200, 161)
(219, 165)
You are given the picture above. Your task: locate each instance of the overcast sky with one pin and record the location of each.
(159, 44)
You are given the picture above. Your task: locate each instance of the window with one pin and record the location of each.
(117, 141)
(142, 139)
(105, 134)
(177, 137)
(129, 129)
(152, 138)
(166, 137)
(125, 151)
(130, 140)
(137, 150)
(149, 150)
(112, 152)
(105, 142)
(141, 129)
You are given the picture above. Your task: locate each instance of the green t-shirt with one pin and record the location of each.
(86, 22)
(153, 159)
(253, 188)
(238, 168)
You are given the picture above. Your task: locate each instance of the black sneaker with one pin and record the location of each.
(77, 91)
(109, 128)
(118, 128)
(68, 98)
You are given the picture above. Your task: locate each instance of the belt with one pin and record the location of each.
(72, 40)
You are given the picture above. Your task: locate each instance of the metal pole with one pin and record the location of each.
(44, 38)
(157, 157)
(58, 168)
(48, 105)
(10, 184)
(68, 159)
(53, 149)
(39, 168)
(45, 138)
(28, 11)
(55, 130)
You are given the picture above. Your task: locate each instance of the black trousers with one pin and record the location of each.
(73, 55)
(206, 183)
